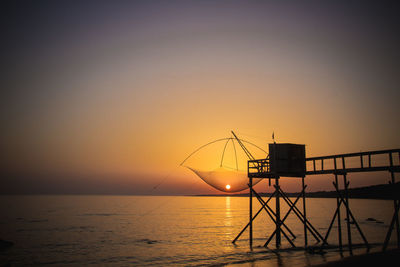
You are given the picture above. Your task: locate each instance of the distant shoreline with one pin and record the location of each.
(382, 191)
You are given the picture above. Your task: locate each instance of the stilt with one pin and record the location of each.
(349, 213)
(298, 213)
(346, 195)
(395, 201)
(272, 214)
(251, 212)
(248, 224)
(353, 219)
(339, 224)
(278, 214)
(395, 219)
(389, 233)
(331, 224)
(304, 212)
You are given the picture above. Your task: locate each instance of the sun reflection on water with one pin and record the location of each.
(228, 211)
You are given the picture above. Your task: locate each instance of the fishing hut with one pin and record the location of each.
(289, 160)
(284, 160)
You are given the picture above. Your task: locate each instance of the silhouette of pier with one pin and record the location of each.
(289, 160)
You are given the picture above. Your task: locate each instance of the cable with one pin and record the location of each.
(218, 140)
(201, 148)
(223, 153)
(234, 148)
(164, 178)
(141, 216)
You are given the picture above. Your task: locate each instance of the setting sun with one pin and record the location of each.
(228, 187)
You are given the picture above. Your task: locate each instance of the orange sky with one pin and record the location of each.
(126, 98)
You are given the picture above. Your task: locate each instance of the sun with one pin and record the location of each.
(228, 187)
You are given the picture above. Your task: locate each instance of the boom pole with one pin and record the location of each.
(248, 154)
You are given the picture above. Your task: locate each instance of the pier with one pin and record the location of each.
(289, 160)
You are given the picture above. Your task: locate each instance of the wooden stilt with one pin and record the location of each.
(353, 218)
(278, 214)
(395, 219)
(395, 201)
(311, 228)
(271, 213)
(346, 195)
(251, 212)
(339, 224)
(304, 212)
(331, 224)
(389, 233)
(248, 224)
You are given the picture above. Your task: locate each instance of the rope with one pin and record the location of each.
(164, 178)
(223, 152)
(212, 142)
(218, 140)
(234, 148)
(141, 216)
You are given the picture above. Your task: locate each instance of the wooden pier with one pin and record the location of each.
(288, 160)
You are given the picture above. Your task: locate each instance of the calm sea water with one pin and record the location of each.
(160, 230)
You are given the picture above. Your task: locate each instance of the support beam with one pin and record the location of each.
(248, 224)
(298, 213)
(275, 215)
(339, 224)
(278, 214)
(304, 211)
(392, 223)
(331, 224)
(354, 219)
(395, 219)
(395, 201)
(251, 212)
(272, 214)
(346, 195)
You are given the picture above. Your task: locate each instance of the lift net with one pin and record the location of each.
(225, 180)
(225, 152)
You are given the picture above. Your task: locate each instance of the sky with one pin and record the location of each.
(108, 97)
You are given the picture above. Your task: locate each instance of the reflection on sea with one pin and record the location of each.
(151, 230)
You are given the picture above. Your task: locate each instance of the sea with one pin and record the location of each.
(84, 230)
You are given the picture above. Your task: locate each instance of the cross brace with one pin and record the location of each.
(345, 202)
(275, 217)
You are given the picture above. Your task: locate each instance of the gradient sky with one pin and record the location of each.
(110, 96)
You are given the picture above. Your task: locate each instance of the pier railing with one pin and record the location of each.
(259, 168)
(380, 160)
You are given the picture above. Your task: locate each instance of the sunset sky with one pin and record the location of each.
(111, 96)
